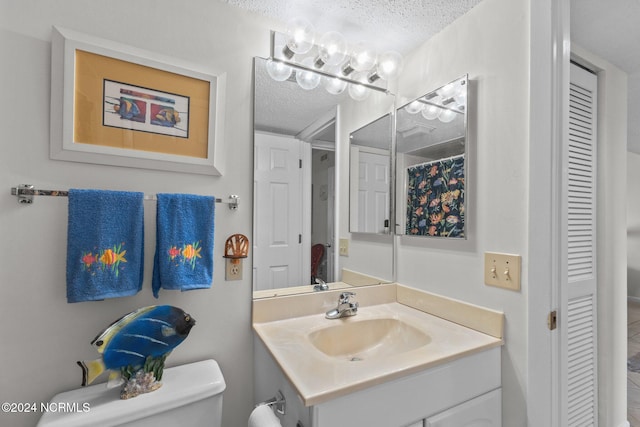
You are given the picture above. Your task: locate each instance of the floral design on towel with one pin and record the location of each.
(187, 254)
(105, 259)
(435, 198)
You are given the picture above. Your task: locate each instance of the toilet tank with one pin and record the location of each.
(190, 396)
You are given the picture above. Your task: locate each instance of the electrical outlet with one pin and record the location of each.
(344, 247)
(233, 270)
(502, 270)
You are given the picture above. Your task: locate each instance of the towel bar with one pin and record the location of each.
(26, 192)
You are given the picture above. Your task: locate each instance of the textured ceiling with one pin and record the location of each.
(400, 25)
(610, 29)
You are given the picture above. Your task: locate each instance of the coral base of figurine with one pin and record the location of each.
(140, 383)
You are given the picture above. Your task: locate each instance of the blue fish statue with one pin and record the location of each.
(129, 343)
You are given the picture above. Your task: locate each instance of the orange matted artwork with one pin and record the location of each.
(130, 106)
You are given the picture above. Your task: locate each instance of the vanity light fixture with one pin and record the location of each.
(389, 67)
(278, 71)
(334, 85)
(330, 60)
(299, 37)
(332, 49)
(357, 90)
(361, 58)
(306, 78)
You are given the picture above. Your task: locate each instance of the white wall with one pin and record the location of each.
(42, 336)
(491, 44)
(633, 225)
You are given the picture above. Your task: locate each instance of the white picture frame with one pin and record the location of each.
(65, 145)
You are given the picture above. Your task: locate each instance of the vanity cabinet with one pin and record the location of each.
(392, 365)
(443, 396)
(483, 411)
(459, 393)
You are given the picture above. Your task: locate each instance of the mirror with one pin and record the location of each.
(369, 177)
(300, 186)
(431, 163)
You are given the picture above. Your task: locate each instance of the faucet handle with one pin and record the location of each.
(345, 296)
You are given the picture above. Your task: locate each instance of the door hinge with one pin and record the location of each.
(299, 163)
(552, 320)
(299, 238)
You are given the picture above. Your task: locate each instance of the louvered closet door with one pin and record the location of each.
(577, 319)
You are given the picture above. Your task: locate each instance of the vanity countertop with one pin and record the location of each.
(319, 377)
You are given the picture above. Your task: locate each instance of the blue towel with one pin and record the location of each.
(184, 242)
(105, 244)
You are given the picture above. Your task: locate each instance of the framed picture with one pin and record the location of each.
(114, 104)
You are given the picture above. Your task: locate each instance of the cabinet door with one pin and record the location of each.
(483, 411)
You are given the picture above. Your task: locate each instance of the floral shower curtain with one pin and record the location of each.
(435, 198)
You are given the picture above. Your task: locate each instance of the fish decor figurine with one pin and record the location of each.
(135, 347)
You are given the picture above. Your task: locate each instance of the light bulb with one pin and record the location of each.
(307, 80)
(332, 48)
(389, 65)
(414, 107)
(460, 96)
(431, 112)
(334, 85)
(446, 115)
(357, 91)
(362, 57)
(278, 71)
(300, 36)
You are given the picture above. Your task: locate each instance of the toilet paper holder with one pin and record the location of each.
(276, 403)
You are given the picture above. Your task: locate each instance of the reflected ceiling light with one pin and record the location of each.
(460, 97)
(431, 112)
(359, 92)
(278, 71)
(414, 107)
(389, 66)
(300, 36)
(448, 90)
(334, 85)
(307, 79)
(332, 49)
(446, 115)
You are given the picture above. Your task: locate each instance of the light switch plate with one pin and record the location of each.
(502, 270)
(344, 247)
(233, 271)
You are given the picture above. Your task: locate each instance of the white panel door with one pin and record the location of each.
(373, 192)
(331, 227)
(277, 228)
(577, 319)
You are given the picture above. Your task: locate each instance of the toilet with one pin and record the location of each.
(190, 396)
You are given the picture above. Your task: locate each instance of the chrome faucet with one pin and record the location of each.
(320, 285)
(345, 307)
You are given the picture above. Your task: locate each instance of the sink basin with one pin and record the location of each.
(356, 340)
